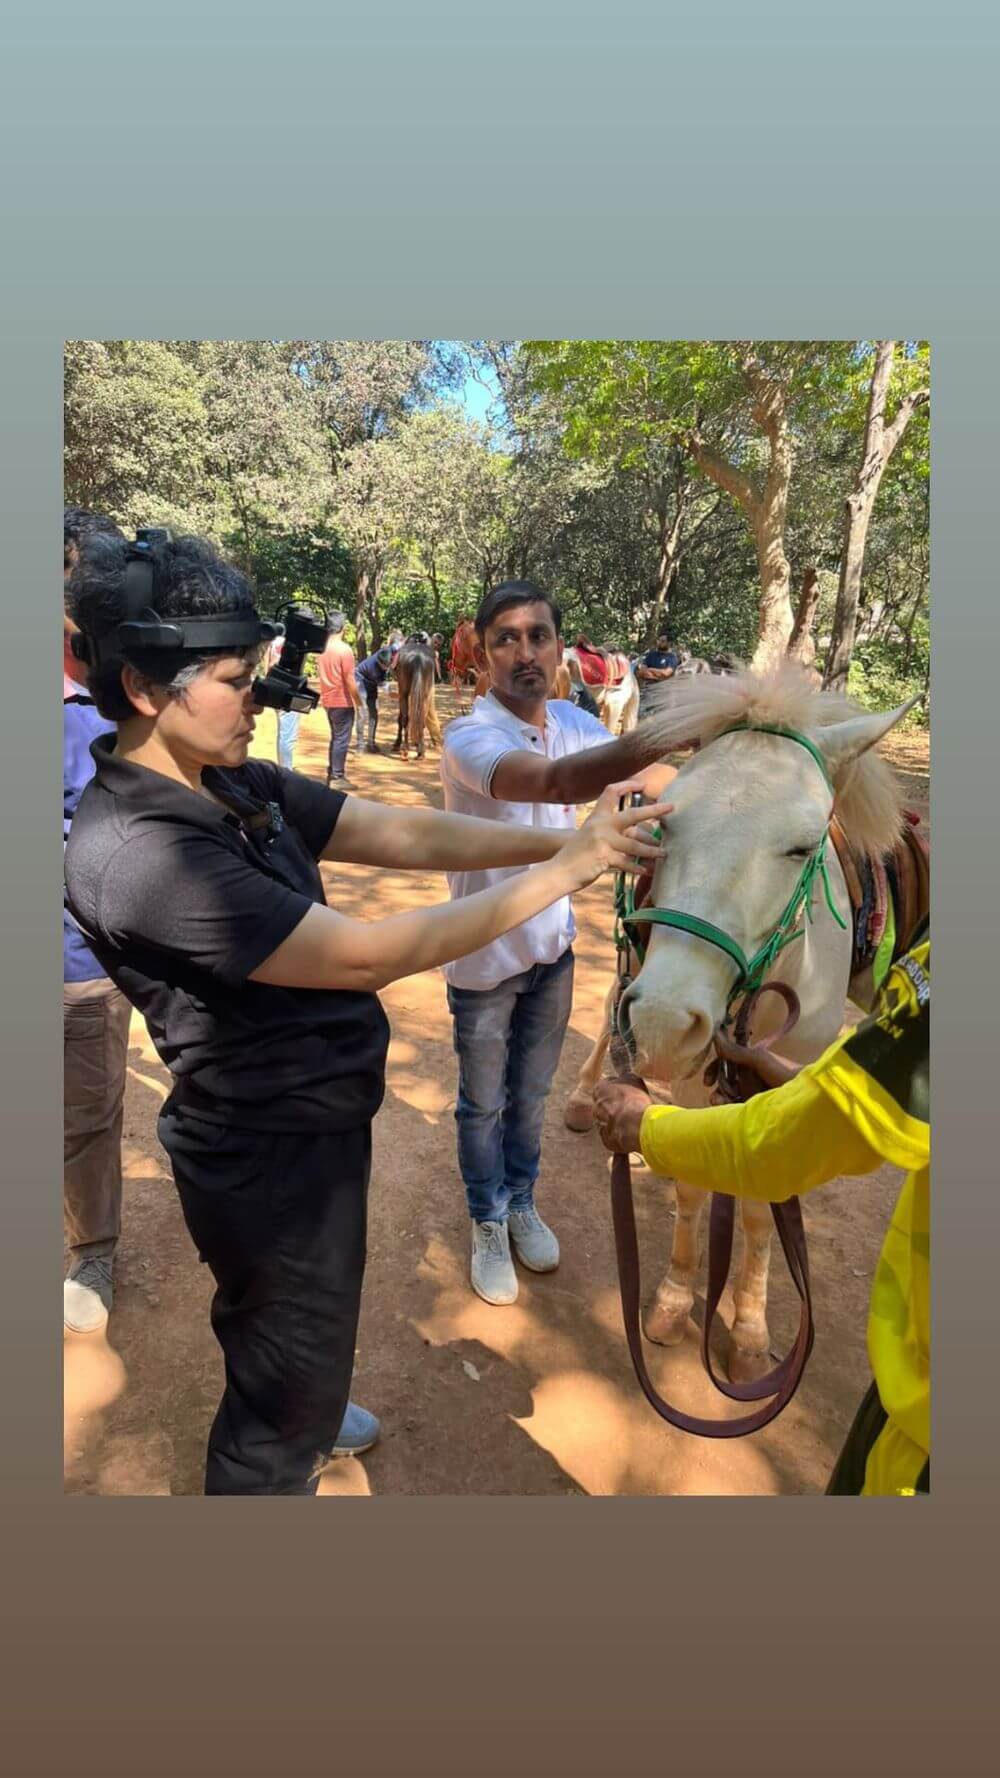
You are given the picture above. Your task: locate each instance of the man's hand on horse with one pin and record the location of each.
(619, 1109)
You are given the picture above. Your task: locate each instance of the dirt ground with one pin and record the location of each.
(537, 1398)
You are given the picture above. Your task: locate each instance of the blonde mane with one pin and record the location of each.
(868, 797)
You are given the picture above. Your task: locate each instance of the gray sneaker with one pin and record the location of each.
(493, 1275)
(534, 1243)
(87, 1294)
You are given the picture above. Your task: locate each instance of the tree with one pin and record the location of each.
(734, 407)
(880, 441)
(262, 448)
(368, 515)
(435, 470)
(135, 435)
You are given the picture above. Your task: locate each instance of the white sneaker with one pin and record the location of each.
(87, 1294)
(534, 1243)
(493, 1275)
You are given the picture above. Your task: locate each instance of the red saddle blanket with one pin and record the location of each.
(593, 666)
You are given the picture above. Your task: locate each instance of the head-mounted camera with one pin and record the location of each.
(143, 631)
(285, 686)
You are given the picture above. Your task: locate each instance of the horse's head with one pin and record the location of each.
(751, 809)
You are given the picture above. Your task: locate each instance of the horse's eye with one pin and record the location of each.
(800, 852)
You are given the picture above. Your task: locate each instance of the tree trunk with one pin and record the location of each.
(801, 644)
(361, 613)
(375, 590)
(879, 443)
(666, 565)
(764, 508)
(775, 621)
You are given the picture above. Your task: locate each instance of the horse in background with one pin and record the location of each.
(608, 677)
(462, 667)
(415, 682)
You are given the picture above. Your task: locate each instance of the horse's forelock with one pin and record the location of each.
(868, 801)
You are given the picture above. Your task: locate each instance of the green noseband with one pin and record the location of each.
(751, 971)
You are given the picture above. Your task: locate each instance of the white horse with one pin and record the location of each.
(750, 808)
(617, 705)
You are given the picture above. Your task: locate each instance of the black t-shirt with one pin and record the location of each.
(180, 900)
(658, 657)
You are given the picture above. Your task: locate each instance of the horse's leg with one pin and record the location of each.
(579, 1111)
(750, 1342)
(666, 1319)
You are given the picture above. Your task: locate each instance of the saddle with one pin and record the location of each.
(594, 668)
(601, 666)
(889, 897)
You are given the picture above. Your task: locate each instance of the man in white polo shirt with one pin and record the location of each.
(521, 758)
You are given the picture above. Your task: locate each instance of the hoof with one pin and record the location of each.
(666, 1327)
(579, 1113)
(747, 1364)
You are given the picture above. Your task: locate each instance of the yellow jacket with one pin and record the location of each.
(863, 1102)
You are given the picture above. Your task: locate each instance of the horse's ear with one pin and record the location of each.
(845, 741)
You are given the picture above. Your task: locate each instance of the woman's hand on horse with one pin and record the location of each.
(619, 1110)
(613, 838)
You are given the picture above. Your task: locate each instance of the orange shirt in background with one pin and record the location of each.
(336, 675)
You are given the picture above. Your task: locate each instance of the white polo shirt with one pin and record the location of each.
(473, 747)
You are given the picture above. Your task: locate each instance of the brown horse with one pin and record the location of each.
(462, 660)
(415, 680)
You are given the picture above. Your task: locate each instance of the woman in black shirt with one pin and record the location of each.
(194, 873)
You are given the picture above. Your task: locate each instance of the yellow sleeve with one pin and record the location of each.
(779, 1143)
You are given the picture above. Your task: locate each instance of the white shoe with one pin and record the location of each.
(534, 1243)
(493, 1275)
(87, 1294)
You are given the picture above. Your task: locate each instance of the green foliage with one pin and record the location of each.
(881, 677)
(302, 565)
(343, 470)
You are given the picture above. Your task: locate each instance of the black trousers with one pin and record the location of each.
(280, 1221)
(849, 1470)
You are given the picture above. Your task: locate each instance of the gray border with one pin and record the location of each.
(629, 179)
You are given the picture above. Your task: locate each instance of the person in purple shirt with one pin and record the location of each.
(95, 1019)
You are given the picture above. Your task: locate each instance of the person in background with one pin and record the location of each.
(656, 665)
(287, 721)
(95, 1016)
(369, 675)
(338, 695)
(865, 1101)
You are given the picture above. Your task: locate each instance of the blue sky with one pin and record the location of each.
(474, 399)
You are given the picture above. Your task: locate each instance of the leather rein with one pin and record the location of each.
(776, 1388)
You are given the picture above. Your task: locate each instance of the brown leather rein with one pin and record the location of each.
(781, 1382)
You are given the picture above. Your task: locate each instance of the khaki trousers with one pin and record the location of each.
(95, 1051)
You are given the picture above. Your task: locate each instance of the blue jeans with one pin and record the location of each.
(508, 1040)
(288, 728)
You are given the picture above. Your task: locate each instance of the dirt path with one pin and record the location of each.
(538, 1398)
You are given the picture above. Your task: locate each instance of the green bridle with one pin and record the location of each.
(751, 970)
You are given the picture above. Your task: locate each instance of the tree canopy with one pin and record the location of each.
(712, 488)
